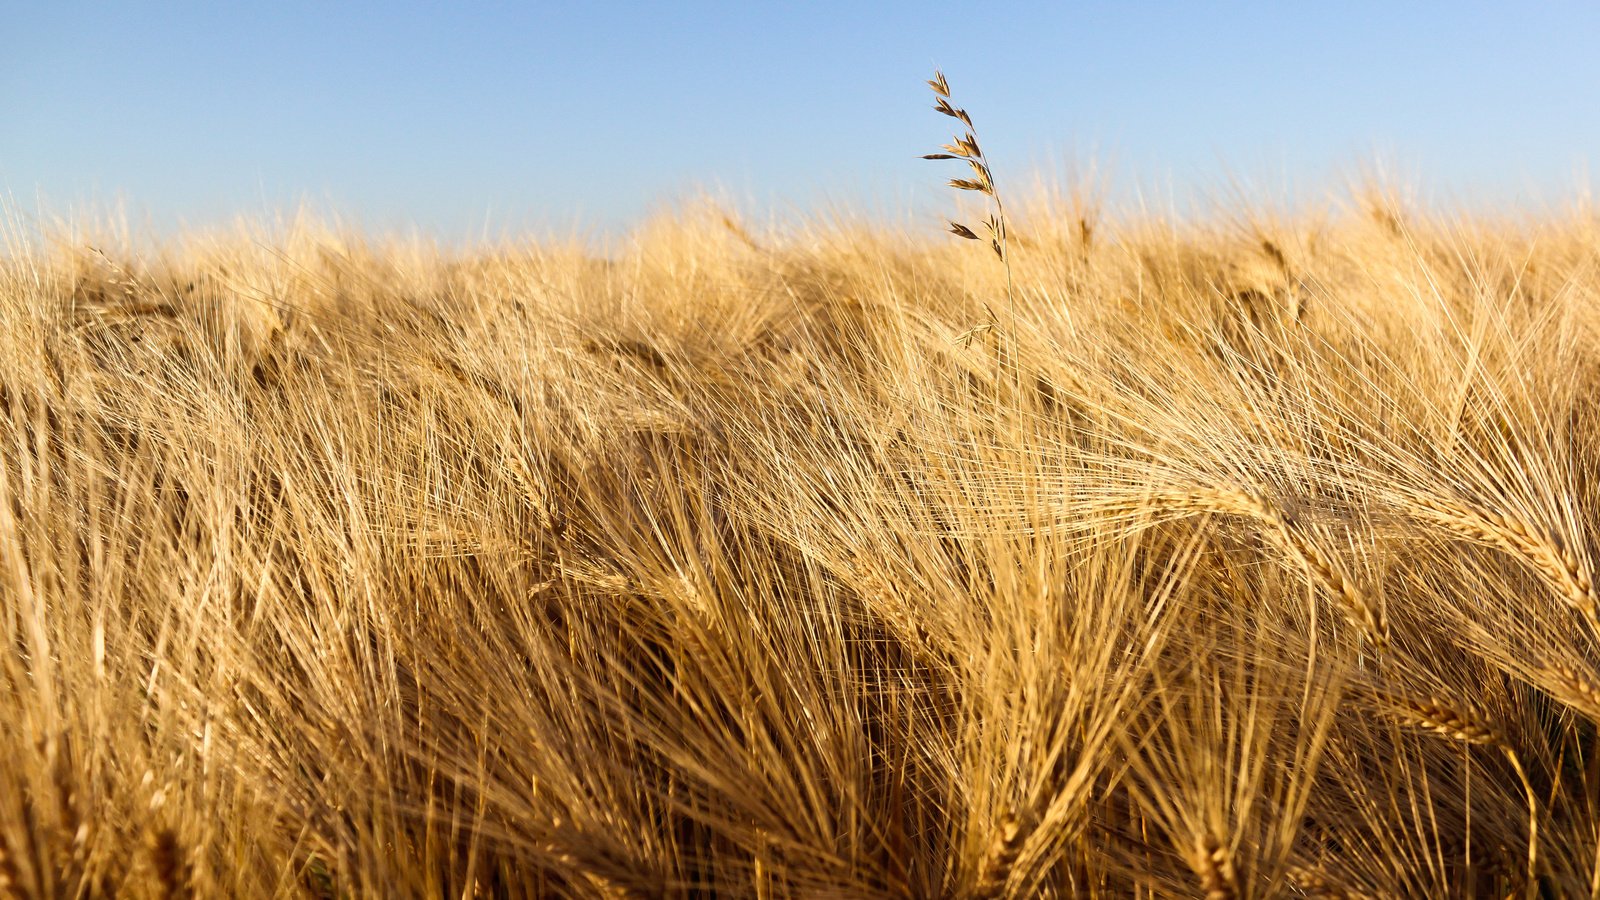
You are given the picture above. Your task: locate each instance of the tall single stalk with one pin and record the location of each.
(965, 147)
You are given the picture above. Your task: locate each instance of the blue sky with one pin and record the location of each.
(461, 118)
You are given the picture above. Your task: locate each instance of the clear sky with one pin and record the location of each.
(459, 117)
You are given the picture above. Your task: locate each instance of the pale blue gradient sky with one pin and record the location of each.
(456, 117)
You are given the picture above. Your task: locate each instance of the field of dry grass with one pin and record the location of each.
(1230, 560)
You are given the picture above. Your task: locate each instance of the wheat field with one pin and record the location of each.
(1242, 557)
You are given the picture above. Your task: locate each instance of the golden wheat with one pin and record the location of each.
(706, 565)
(1320, 566)
(1552, 558)
(1213, 865)
(1443, 718)
(1568, 685)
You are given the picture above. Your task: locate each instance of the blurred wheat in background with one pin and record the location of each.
(1238, 559)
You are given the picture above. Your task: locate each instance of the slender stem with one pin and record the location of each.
(1532, 886)
(1005, 260)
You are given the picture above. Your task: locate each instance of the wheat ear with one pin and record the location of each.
(10, 877)
(1213, 864)
(1313, 883)
(995, 870)
(1570, 687)
(1443, 718)
(1320, 566)
(1542, 551)
(1457, 723)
